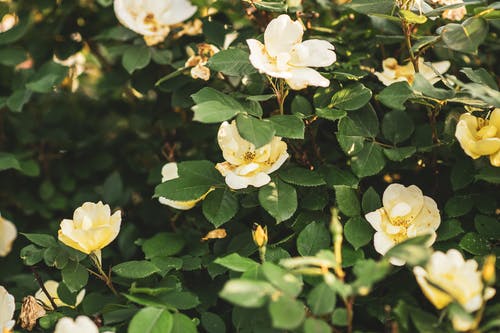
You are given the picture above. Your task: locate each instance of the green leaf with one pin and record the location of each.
(369, 161)
(232, 62)
(339, 317)
(288, 126)
(247, 293)
(212, 106)
(18, 31)
(480, 75)
(183, 324)
(358, 232)
(399, 154)
(151, 320)
(397, 126)
(423, 86)
(369, 7)
(74, 276)
(353, 130)
(257, 131)
(413, 251)
(352, 97)
(331, 114)
(301, 177)
(347, 200)
(162, 244)
(236, 263)
(462, 174)
(465, 37)
(487, 226)
(312, 325)
(395, 95)
(371, 200)
(279, 199)
(12, 56)
(8, 161)
(136, 57)
(182, 300)
(48, 76)
(335, 176)
(41, 239)
(321, 299)
(31, 255)
(312, 238)
(282, 279)
(220, 206)
(135, 269)
(16, 101)
(458, 205)
(272, 6)
(475, 243)
(213, 323)
(449, 229)
(301, 107)
(286, 313)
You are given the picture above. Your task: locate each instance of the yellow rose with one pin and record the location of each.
(406, 213)
(169, 172)
(393, 72)
(284, 55)
(457, 279)
(8, 234)
(245, 165)
(51, 287)
(92, 228)
(480, 137)
(7, 307)
(152, 19)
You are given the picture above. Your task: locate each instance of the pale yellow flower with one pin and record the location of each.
(406, 213)
(8, 234)
(152, 18)
(92, 228)
(393, 72)
(169, 172)
(480, 137)
(284, 54)
(51, 287)
(198, 61)
(245, 165)
(81, 324)
(7, 307)
(457, 279)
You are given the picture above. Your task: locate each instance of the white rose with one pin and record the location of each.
(51, 287)
(393, 72)
(7, 307)
(81, 324)
(169, 172)
(457, 280)
(152, 18)
(406, 213)
(8, 234)
(284, 55)
(245, 165)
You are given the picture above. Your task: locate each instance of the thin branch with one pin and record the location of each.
(42, 286)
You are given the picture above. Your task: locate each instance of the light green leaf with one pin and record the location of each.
(135, 269)
(247, 293)
(288, 126)
(347, 200)
(283, 280)
(286, 313)
(465, 37)
(231, 62)
(151, 320)
(321, 299)
(279, 199)
(257, 131)
(352, 97)
(212, 106)
(136, 57)
(236, 263)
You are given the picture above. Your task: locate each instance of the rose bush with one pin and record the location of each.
(249, 166)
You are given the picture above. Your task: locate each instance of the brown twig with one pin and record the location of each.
(42, 286)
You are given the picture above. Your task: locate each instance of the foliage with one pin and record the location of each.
(91, 111)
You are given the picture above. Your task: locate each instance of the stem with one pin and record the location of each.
(102, 275)
(407, 32)
(350, 313)
(262, 254)
(336, 229)
(42, 286)
(281, 93)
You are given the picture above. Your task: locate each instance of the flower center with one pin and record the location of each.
(249, 156)
(150, 20)
(402, 221)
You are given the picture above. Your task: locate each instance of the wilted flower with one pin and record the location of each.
(245, 165)
(284, 55)
(191, 28)
(92, 228)
(447, 277)
(169, 172)
(31, 311)
(480, 137)
(76, 64)
(51, 287)
(152, 18)
(406, 213)
(199, 60)
(454, 14)
(8, 234)
(7, 307)
(214, 234)
(393, 72)
(81, 324)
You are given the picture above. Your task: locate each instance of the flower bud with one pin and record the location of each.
(259, 235)
(488, 272)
